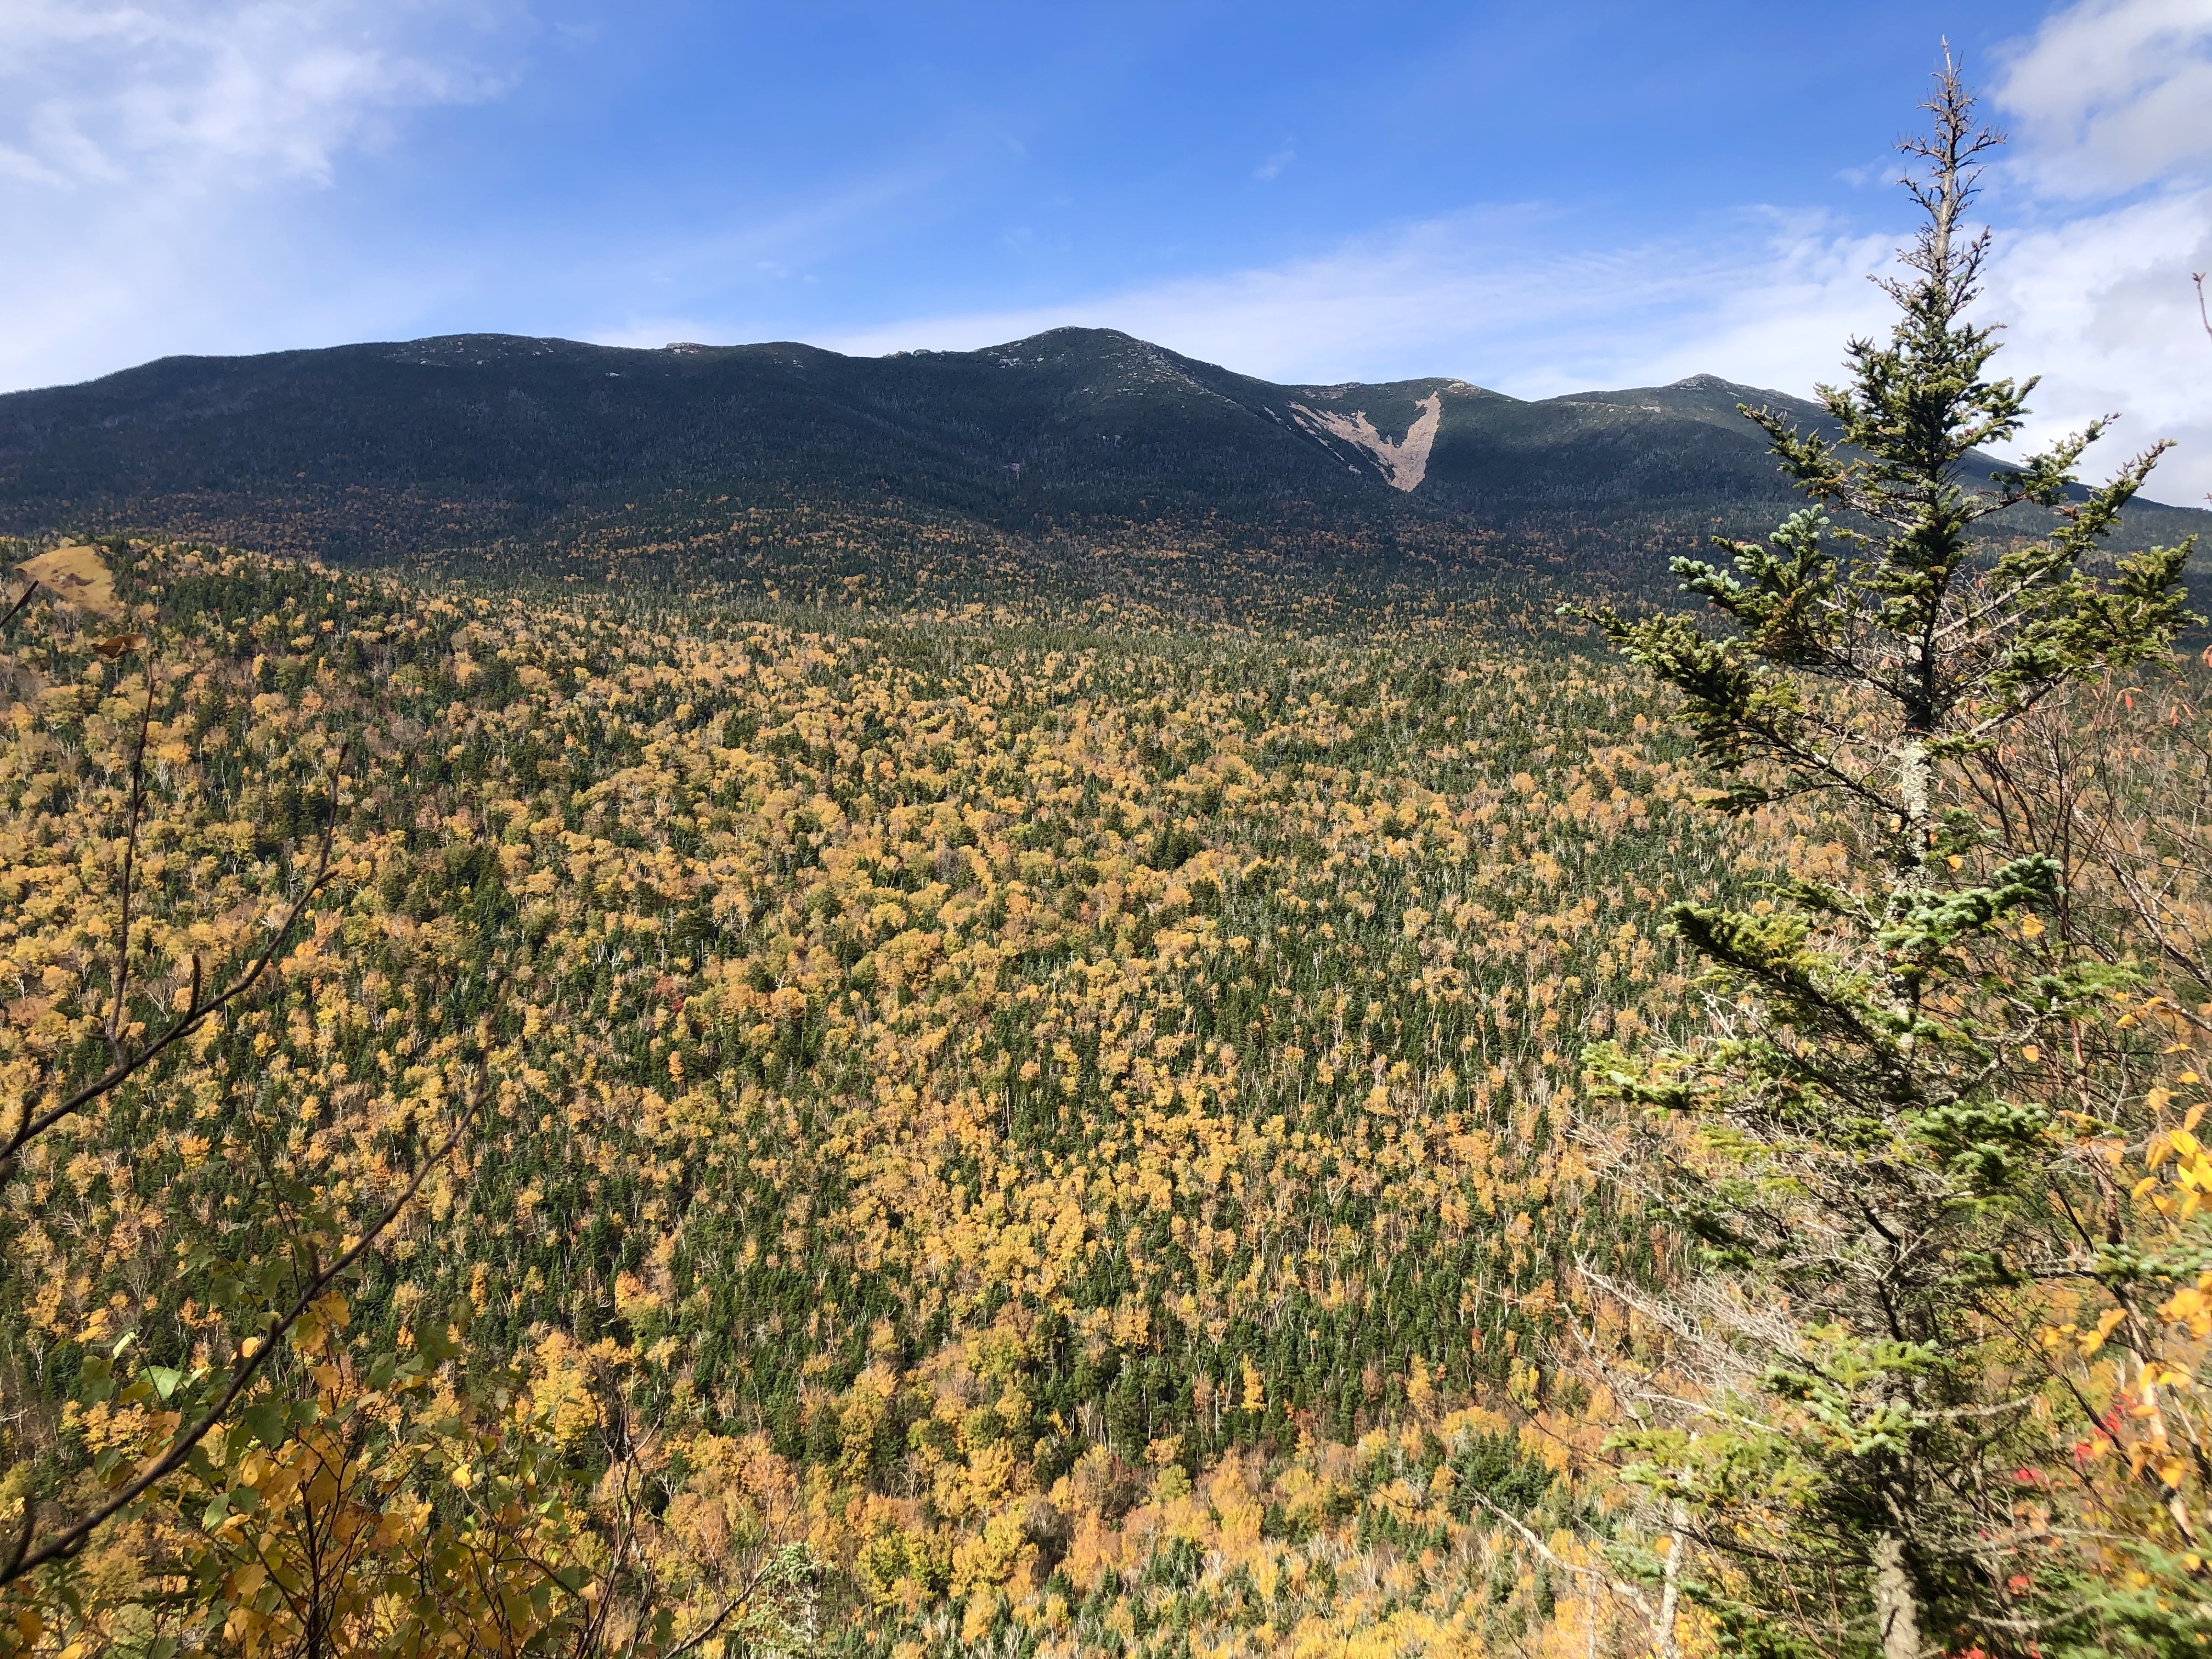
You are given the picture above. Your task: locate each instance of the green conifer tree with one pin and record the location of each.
(1846, 1144)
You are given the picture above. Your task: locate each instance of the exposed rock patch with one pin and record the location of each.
(1405, 463)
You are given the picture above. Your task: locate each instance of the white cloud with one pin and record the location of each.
(2112, 95)
(2110, 188)
(208, 93)
(153, 155)
(2102, 306)
(1474, 294)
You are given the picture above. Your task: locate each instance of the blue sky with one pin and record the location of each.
(1534, 196)
(825, 166)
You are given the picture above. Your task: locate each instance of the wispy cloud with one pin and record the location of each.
(1273, 166)
(213, 95)
(2112, 94)
(2102, 306)
(1476, 295)
(152, 153)
(2109, 186)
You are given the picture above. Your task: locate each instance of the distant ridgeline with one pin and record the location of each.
(1049, 452)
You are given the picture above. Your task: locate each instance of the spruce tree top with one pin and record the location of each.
(1946, 634)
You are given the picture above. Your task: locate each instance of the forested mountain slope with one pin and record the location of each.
(479, 440)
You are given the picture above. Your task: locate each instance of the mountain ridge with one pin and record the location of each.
(383, 449)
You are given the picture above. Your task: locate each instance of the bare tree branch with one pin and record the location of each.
(200, 1008)
(1627, 1592)
(70, 1542)
(31, 587)
(130, 860)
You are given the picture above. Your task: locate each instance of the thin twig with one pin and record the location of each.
(129, 858)
(1627, 1592)
(201, 1006)
(737, 1599)
(70, 1542)
(30, 588)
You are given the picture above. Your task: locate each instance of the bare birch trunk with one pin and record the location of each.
(1670, 1596)
(1896, 1609)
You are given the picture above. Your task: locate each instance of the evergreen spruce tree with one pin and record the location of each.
(1849, 1144)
